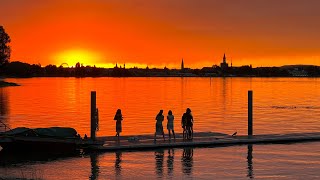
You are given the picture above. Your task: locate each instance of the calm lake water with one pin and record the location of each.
(281, 105)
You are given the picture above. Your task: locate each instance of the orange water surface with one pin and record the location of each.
(281, 105)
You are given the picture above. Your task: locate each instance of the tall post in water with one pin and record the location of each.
(93, 118)
(250, 119)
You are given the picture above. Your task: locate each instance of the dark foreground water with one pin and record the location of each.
(272, 161)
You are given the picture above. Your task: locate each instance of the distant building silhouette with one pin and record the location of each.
(224, 65)
(64, 65)
(182, 65)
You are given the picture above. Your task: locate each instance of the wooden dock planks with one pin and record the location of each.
(200, 140)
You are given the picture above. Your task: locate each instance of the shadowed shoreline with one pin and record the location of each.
(6, 84)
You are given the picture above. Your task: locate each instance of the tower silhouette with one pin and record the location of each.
(182, 64)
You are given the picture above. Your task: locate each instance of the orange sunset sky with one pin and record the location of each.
(162, 32)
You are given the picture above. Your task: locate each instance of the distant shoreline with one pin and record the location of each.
(22, 77)
(7, 84)
(20, 69)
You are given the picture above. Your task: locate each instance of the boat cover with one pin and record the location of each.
(60, 132)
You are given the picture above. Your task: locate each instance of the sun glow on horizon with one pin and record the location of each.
(84, 57)
(88, 57)
(158, 34)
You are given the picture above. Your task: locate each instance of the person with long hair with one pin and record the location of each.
(118, 118)
(170, 119)
(187, 124)
(159, 127)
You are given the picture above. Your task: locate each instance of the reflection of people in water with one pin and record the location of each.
(170, 161)
(159, 156)
(187, 161)
(117, 163)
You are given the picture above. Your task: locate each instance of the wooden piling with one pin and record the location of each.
(93, 115)
(250, 119)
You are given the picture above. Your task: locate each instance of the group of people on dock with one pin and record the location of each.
(186, 124)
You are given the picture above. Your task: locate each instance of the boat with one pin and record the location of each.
(52, 139)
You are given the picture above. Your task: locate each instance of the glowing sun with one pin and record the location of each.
(71, 57)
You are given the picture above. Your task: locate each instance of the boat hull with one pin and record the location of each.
(31, 144)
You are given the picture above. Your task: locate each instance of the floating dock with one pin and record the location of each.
(201, 139)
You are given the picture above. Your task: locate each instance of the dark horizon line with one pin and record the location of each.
(215, 65)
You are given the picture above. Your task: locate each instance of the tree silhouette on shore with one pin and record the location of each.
(5, 49)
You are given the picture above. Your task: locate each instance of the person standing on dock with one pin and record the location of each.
(118, 117)
(170, 118)
(159, 127)
(183, 125)
(187, 124)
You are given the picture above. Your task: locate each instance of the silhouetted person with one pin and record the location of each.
(118, 117)
(170, 123)
(170, 161)
(187, 160)
(187, 124)
(184, 126)
(159, 127)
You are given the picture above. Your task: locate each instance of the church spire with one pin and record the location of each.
(224, 58)
(182, 64)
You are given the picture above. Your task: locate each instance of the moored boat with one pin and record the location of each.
(53, 139)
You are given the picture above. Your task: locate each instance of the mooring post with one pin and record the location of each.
(250, 119)
(93, 115)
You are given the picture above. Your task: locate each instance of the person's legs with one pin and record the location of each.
(163, 136)
(187, 132)
(174, 136)
(191, 131)
(184, 132)
(169, 133)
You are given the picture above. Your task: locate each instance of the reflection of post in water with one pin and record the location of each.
(117, 163)
(224, 93)
(94, 166)
(187, 160)
(182, 93)
(170, 161)
(159, 154)
(4, 111)
(249, 161)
